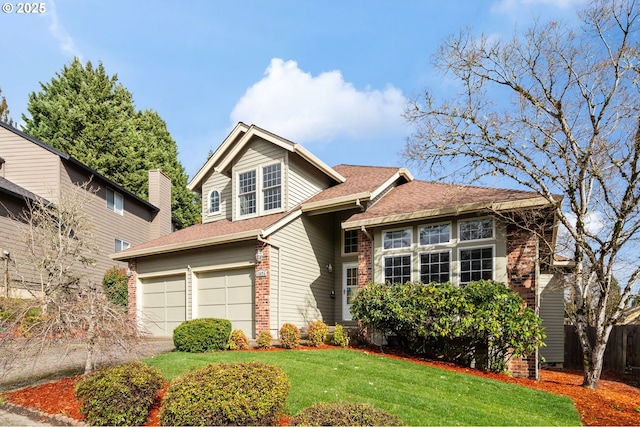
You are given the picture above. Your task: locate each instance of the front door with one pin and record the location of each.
(349, 288)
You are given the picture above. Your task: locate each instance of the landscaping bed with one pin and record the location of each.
(614, 403)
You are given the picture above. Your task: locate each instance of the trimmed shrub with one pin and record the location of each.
(289, 336)
(318, 332)
(120, 395)
(344, 414)
(340, 336)
(201, 335)
(264, 339)
(115, 285)
(238, 340)
(251, 393)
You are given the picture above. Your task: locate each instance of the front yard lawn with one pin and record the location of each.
(420, 395)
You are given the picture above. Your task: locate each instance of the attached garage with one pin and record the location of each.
(226, 294)
(163, 303)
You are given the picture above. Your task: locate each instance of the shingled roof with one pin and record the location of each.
(423, 199)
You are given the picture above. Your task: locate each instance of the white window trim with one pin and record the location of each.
(395, 255)
(486, 239)
(219, 211)
(261, 188)
(123, 245)
(404, 248)
(465, 248)
(115, 205)
(451, 241)
(237, 198)
(438, 250)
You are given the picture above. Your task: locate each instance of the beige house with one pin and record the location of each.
(286, 238)
(31, 169)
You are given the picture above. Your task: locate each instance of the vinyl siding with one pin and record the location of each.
(307, 247)
(552, 313)
(304, 182)
(30, 166)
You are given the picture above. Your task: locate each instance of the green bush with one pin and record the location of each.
(251, 393)
(120, 395)
(340, 336)
(289, 336)
(238, 340)
(317, 332)
(264, 339)
(115, 285)
(344, 414)
(201, 335)
(484, 322)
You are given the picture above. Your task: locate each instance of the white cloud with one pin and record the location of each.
(304, 108)
(66, 43)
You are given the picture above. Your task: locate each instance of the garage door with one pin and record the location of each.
(227, 295)
(163, 304)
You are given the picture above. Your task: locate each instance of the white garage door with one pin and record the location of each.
(163, 304)
(227, 295)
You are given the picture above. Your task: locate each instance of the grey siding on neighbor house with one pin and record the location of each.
(499, 243)
(30, 166)
(552, 313)
(259, 153)
(307, 247)
(222, 184)
(304, 182)
(132, 226)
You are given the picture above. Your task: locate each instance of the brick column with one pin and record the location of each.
(132, 292)
(365, 260)
(262, 289)
(522, 256)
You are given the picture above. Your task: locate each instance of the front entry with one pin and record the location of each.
(349, 288)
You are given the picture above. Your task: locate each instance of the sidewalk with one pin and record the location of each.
(59, 362)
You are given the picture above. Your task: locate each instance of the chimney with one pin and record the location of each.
(160, 197)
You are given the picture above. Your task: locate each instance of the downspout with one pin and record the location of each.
(267, 242)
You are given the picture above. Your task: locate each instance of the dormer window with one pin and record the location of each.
(247, 192)
(272, 186)
(214, 202)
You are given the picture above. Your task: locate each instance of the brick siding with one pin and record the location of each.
(365, 260)
(262, 289)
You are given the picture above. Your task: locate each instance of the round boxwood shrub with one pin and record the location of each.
(264, 339)
(344, 414)
(120, 395)
(289, 336)
(238, 340)
(201, 335)
(317, 332)
(250, 393)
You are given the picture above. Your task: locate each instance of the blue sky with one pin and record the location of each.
(333, 76)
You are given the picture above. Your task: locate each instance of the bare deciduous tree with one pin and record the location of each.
(66, 308)
(557, 110)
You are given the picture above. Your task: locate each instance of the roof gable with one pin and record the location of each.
(240, 136)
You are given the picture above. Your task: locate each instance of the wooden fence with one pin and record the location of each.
(622, 353)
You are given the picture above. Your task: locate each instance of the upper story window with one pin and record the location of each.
(214, 202)
(121, 245)
(272, 186)
(350, 241)
(247, 192)
(115, 202)
(397, 239)
(476, 229)
(435, 234)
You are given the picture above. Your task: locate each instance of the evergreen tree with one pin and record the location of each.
(4, 111)
(87, 114)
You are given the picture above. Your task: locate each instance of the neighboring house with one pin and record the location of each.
(286, 238)
(31, 169)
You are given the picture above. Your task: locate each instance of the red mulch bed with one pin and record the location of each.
(614, 403)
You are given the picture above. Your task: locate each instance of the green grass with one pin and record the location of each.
(420, 395)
